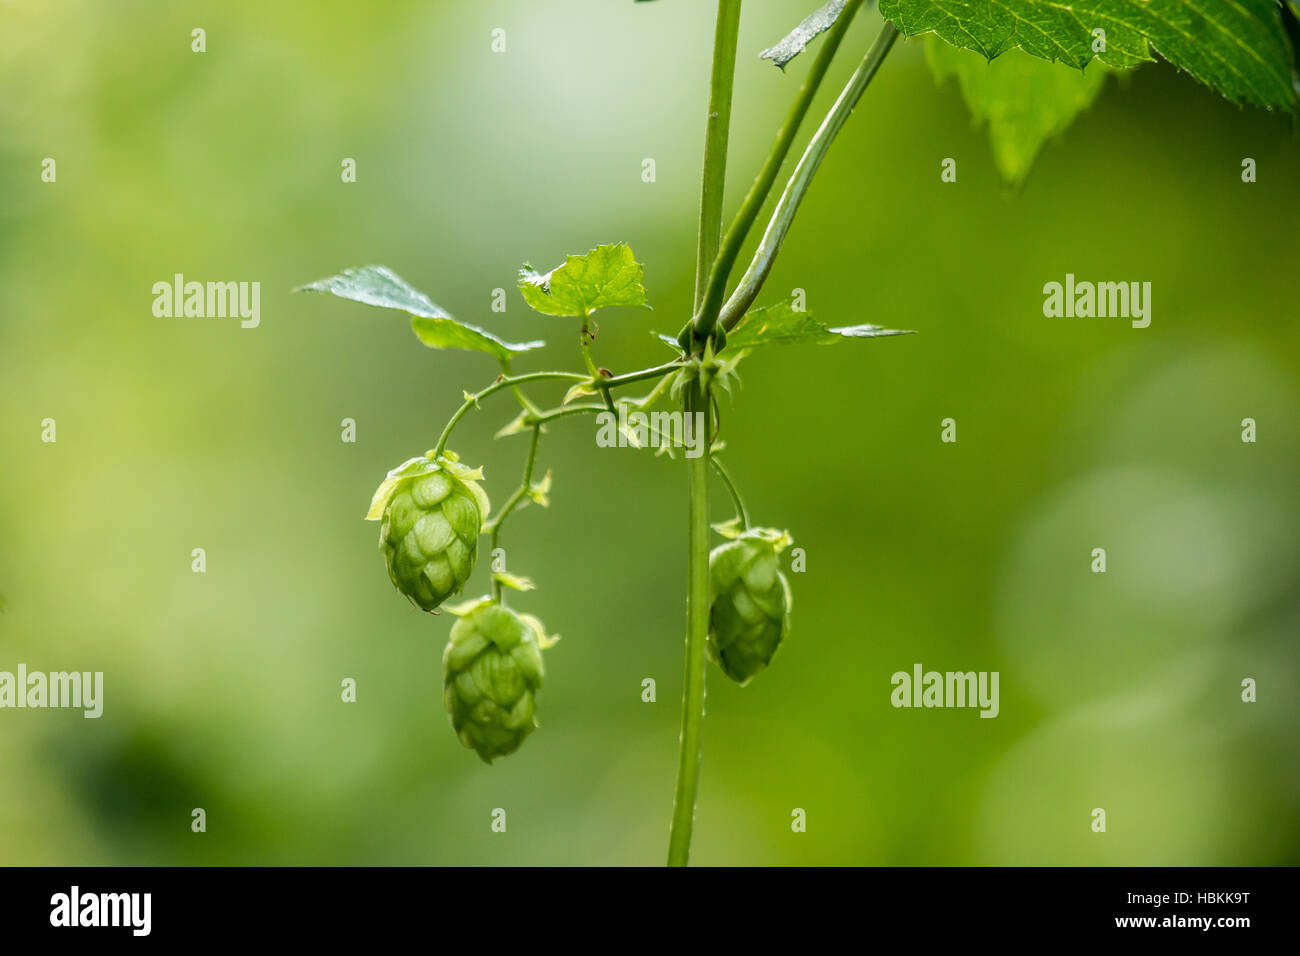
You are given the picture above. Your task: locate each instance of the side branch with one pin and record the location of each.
(782, 217)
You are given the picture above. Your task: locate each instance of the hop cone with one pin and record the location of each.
(750, 614)
(491, 672)
(432, 511)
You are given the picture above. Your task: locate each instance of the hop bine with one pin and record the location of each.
(491, 672)
(432, 510)
(750, 601)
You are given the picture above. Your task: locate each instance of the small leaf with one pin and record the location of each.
(451, 334)
(464, 607)
(380, 286)
(581, 390)
(868, 331)
(514, 581)
(606, 276)
(781, 325)
(433, 325)
(539, 491)
(516, 425)
(794, 42)
(732, 528)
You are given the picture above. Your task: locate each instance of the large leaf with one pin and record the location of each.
(606, 276)
(1025, 100)
(379, 285)
(781, 325)
(817, 22)
(1238, 47)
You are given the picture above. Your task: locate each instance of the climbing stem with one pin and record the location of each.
(640, 376)
(695, 402)
(503, 381)
(706, 312)
(733, 491)
(531, 411)
(717, 132)
(747, 288)
(513, 502)
(527, 405)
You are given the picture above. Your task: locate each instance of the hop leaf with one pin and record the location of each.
(604, 277)
(432, 325)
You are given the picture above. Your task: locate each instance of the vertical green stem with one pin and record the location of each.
(754, 277)
(695, 402)
(706, 312)
(514, 501)
(725, 37)
(716, 133)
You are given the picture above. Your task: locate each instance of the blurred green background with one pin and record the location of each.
(222, 690)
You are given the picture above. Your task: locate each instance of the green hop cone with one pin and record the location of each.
(750, 601)
(491, 672)
(432, 510)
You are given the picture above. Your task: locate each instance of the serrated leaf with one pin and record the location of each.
(1238, 48)
(817, 22)
(781, 325)
(1025, 100)
(605, 277)
(433, 325)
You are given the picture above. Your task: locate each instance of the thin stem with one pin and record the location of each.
(647, 400)
(716, 134)
(518, 392)
(537, 416)
(748, 287)
(707, 312)
(733, 491)
(640, 376)
(503, 381)
(513, 502)
(584, 343)
(564, 411)
(695, 402)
